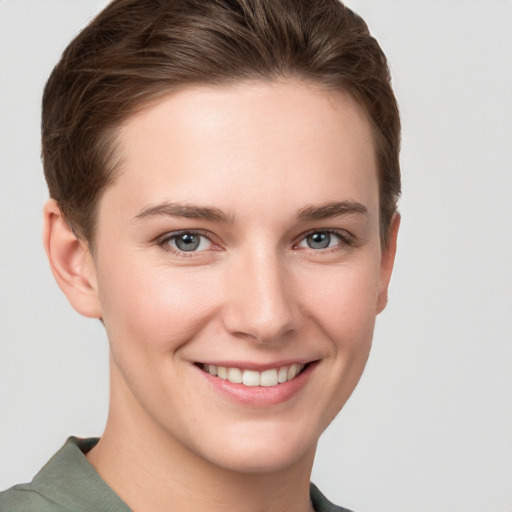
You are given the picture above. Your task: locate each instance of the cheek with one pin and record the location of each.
(345, 310)
(153, 309)
(345, 303)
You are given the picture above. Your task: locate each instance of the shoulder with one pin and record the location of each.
(23, 498)
(54, 488)
(321, 503)
(67, 483)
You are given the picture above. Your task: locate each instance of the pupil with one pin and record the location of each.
(319, 240)
(187, 242)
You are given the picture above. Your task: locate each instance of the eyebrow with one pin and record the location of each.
(330, 210)
(188, 211)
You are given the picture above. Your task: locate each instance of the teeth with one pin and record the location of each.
(268, 378)
(293, 370)
(282, 375)
(234, 375)
(253, 378)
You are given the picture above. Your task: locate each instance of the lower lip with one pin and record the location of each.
(260, 395)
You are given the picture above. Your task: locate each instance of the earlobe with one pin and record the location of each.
(387, 262)
(71, 262)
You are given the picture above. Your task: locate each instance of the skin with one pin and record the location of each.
(265, 159)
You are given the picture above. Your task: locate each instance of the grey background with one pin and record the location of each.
(430, 426)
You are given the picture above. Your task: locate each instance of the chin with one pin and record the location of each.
(266, 451)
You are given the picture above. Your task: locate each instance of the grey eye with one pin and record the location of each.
(319, 240)
(187, 241)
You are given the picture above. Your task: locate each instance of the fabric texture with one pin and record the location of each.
(68, 483)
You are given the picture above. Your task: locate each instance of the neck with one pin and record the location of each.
(153, 472)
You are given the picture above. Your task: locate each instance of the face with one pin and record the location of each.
(239, 270)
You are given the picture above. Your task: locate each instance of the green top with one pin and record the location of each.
(68, 483)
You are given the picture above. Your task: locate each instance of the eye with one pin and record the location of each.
(186, 241)
(323, 240)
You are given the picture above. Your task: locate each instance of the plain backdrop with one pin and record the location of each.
(429, 429)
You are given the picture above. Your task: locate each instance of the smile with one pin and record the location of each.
(252, 378)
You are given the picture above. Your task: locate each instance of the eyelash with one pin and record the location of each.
(164, 240)
(346, 239)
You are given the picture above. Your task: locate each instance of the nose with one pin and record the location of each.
(261, 303)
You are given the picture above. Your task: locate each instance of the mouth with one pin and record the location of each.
(252, 378)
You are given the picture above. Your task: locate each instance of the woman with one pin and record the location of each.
(223, 179)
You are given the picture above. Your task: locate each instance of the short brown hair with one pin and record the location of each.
(137, 50)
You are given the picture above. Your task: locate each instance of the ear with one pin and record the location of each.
(71, 262)
(386, 263)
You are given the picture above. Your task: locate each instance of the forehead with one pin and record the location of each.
(263, 140)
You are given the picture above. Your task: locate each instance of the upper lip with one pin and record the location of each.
(260, 367)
